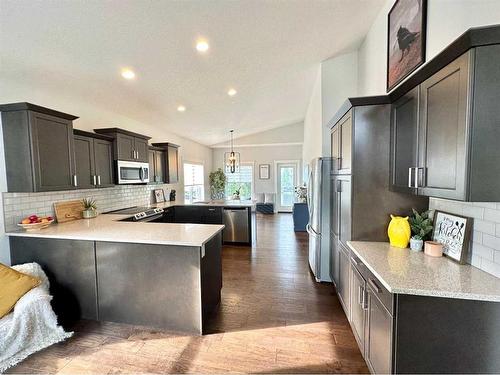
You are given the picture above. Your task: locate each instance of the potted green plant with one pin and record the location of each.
(217, 180)
(236, 195)
(90, 208)
(421, 227)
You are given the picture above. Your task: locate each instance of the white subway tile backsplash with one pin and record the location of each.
(491, 241)
(492, 215)
(482, 251)
(19, 205)
(485, 243)
(472, 211)
(484, 226)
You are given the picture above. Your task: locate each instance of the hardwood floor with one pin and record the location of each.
(273, 318)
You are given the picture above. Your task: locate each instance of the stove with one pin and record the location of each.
(139, 213)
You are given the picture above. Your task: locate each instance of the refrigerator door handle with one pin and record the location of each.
(311, 231)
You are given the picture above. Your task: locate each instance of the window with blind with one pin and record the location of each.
(243, 180)
(194, 189)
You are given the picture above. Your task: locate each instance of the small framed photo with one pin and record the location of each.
(453, 231)
(264, 171)
(159, 195)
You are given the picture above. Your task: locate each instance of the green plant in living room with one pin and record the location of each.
(90, 208)
(421, 227)
(217, 180)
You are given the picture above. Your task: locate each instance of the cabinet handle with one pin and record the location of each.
(374, 285)
(418, 175)
(137, 154)
(99, 180)
(338, 187)
(94, 181)
(409, 176)
(361, 293)
(339, 164)
(75, 180)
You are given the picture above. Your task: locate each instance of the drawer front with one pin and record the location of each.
(380, 292)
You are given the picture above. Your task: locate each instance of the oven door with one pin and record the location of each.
(131, 172)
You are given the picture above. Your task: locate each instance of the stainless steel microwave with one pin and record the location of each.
(132, 172)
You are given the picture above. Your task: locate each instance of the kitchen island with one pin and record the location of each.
(164, 275)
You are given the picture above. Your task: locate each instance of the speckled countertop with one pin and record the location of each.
(109, 228)
(403, 271)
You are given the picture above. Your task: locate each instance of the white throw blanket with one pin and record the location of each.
(32, 325)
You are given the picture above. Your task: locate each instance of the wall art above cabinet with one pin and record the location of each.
(39, 148)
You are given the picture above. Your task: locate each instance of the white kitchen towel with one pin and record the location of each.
(32, 325)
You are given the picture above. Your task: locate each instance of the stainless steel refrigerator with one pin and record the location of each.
(318, 199)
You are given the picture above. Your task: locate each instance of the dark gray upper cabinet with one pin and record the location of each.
(157, 161)
(125, 147)
(85, 164)
(151, 162)
(103, 156)
(361, 201)
(444, 131)
(341, 144)
(444, 114)
(128, 146)
(141, 149)
(39, 148)
(94, 160)
(172, 161)
(404, 133)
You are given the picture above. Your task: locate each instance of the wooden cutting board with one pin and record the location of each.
(68, 211)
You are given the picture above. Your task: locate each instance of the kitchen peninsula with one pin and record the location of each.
(166, 275)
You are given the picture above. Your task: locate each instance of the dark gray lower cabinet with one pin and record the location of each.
(343, 287)
(378, 345)
(358, 306)
(165, 286)
(70, 267)
(402, 334)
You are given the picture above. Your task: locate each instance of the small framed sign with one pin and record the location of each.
(159, 196)
(453, 231)
(264, 171)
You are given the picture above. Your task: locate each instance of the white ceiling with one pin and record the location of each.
(267, 50)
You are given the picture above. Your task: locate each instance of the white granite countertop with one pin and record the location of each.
(108, 228)
(403, 271)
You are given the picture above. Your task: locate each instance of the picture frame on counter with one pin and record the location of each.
(159, 195)
(264, 170)
(454, 233)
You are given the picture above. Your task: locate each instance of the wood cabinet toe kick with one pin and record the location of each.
(164, 286)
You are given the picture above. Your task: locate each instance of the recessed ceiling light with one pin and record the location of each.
(231, 92)
(181, 108)
(128, 73)
(202, 45)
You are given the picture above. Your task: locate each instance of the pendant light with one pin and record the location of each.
(232, 158)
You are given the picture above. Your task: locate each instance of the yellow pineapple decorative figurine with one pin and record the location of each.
(399, 231)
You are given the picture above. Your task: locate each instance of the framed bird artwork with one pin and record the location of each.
(405, 39)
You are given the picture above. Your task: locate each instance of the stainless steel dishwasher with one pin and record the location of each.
(237, 224)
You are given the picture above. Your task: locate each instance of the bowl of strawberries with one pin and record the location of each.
(35, 222)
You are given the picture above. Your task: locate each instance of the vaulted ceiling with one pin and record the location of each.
(267, 50)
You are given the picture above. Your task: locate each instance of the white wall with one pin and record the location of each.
(293, 133)
(446, 20)
(335, 82)
(262, 155)
(313, 120)
(92, 116)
